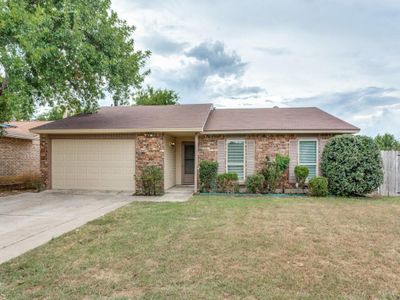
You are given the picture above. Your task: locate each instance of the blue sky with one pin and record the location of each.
(342, 56)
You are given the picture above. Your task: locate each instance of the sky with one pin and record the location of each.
(342, 56)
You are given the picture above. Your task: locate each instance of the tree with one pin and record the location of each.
(56, 113)
(65, 53)
(387, 142)
(151, 96)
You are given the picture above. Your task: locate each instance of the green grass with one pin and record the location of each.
(221, 248)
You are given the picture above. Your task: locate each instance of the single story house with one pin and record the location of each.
(106, 149)
(19, 149)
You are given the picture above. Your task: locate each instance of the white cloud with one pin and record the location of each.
(329, 53)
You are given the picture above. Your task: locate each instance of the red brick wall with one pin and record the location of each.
(149, 152)
(45, 145)
(267, 145)
(19, 157)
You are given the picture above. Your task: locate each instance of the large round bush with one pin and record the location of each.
(352, 164)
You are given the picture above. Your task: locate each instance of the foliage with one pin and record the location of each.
(64, 53)
(274, 172)
(352, 164)
(255, 183)
(301, 173)
(208, 175)
(151, 96)
(387, 142)
(56, 113)
(282, 162)
(152, 180)
(228, 183)
(318, 186)
(271, 175)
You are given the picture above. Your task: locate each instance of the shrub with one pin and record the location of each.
(228, 183)
(318, 186)
(255, 183)
(282, 163)
(208, 175)
(274, 172)
(301, 173)
(152, 180)
(352, 165)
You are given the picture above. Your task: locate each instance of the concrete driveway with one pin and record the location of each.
(31, 219)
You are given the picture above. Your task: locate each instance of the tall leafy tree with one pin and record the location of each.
(387, 142)
(67, 53)
(152, 96)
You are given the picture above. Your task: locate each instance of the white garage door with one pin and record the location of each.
(93, 164)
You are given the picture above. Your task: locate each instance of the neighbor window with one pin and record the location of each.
(308, 156)
(235, 158)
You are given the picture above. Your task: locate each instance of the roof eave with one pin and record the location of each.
(20, 137)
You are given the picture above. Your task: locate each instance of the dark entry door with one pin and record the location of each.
(188, 163)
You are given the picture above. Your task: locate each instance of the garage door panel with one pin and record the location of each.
(93, 164)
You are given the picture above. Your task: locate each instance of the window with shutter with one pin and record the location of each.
(235, 158)
(308, 156)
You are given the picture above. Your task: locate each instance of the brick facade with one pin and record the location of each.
(266, 145)
(45, 145)
(149, 152)
(150, 149)
(19, 157)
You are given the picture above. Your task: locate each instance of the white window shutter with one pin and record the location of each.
(221, 156)
(293, 154)
(250, 157)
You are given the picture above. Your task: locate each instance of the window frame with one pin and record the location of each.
(227, 141)
(316, 150)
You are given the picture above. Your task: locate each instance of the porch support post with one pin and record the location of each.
(196, 160)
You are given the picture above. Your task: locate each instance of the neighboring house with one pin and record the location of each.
(19, 149)
(105, 150)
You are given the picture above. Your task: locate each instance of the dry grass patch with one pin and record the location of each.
(221, 247)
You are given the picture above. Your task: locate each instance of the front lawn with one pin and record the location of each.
(221, 247)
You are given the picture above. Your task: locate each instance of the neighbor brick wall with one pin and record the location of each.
(266, 145)
(19, 157)
(149, 152)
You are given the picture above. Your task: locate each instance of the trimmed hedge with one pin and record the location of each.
(352, 164)
(318, 186)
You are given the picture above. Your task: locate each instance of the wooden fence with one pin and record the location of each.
(391, 167)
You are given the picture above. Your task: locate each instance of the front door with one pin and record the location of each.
(188, 163)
